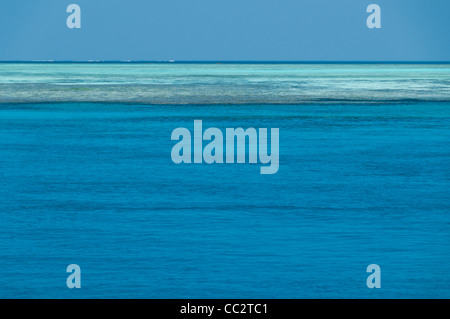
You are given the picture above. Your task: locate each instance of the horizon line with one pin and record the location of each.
(218, 62)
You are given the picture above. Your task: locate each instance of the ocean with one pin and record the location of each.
(87, 178)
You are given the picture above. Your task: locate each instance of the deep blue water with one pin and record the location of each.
(94, 185)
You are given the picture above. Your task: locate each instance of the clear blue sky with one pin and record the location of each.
(291, 30)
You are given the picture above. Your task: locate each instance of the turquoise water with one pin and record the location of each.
(364, 178)
(224, 83)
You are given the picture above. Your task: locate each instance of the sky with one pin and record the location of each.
(225, 30)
